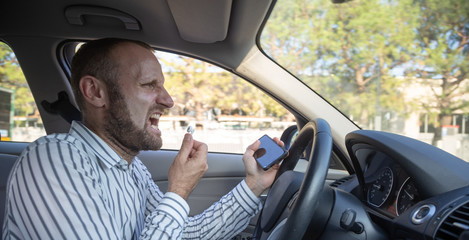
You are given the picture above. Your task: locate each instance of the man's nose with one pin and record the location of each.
(165, 99)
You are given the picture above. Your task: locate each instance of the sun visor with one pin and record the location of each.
(201, 21)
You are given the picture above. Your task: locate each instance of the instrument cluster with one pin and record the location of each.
(388, 187)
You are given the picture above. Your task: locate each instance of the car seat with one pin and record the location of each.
(6, 164)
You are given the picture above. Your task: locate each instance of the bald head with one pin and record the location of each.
(96, 58)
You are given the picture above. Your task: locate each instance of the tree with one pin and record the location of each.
(11, 77)
(443, 61)
(345, 52)
(198, 87)
(188, 82)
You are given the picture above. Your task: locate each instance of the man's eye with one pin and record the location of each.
(149, 85)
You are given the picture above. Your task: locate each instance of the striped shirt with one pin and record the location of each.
(74, 186)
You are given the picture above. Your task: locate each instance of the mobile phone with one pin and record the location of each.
(269, 152)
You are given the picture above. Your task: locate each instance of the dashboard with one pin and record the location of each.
(410, 188)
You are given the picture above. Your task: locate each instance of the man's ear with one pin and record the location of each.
(94, 91)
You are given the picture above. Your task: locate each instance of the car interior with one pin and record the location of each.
(339, 181)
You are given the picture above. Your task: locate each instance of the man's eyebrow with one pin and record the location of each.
(152, 81)
(146, 81)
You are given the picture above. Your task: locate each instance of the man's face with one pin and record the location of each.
(138, 101)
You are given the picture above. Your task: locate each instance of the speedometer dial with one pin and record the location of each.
(407, 196)
(381, 188)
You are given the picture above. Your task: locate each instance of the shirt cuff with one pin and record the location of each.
(248, 200)
(175, 206)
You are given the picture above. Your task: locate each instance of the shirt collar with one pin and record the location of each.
(105, 153)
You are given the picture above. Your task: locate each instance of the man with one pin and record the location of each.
(89, 184)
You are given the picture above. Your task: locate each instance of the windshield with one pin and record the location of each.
(399, 66)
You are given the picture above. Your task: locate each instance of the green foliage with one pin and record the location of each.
(11, 77)
(361, 55)
(443, 43)
(198, 87)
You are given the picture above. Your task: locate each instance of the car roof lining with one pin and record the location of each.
(158, 26)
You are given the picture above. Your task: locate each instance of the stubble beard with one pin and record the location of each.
(123, 130)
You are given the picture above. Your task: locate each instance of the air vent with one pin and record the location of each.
(339, 182)
(456, 223)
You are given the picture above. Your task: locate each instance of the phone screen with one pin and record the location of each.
(269, 152)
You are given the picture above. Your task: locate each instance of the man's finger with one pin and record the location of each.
(186, 146)
(279, 142)
(253, 147)
(199, 149)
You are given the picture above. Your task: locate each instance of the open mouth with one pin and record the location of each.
(154, 119)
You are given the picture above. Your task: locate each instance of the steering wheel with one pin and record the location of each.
(289, 213)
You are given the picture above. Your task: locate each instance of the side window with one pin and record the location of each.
(227, 112)
(19, 117)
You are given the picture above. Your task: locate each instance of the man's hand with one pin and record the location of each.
(188, 167)
(257, 179)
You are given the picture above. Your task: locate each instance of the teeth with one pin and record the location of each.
(156, 116)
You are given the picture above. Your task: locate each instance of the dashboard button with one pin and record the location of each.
(423, 213)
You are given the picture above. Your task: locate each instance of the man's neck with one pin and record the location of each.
(127, 154)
